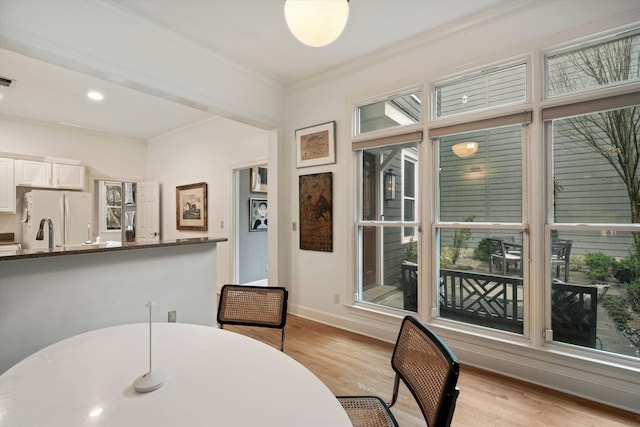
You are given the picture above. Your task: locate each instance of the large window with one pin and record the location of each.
(593, 193)
(387, 224)
(479, 228)
(594, 232)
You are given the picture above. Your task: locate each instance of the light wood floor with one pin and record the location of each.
(351, 364)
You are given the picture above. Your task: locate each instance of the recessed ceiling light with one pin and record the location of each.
(95, 96)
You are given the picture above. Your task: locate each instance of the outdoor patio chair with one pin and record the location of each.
(427, 367)
(262, 306)
(504, 253)
(560, 252)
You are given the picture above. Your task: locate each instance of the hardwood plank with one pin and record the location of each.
(351, 364)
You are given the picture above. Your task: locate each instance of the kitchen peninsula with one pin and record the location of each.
(47, 295)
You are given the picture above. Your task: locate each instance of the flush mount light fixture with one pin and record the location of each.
(316, 23)
(95, 96)
(465, 149)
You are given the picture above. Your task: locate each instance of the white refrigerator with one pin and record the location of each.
(70, 214)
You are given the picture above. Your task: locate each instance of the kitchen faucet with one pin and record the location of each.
(40, 235)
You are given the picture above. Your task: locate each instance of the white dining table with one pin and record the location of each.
(214, 377)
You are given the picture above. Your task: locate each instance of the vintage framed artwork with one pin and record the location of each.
(258, 179)
(258, 210)
(191, 207)
(316, 212)
(316, 145)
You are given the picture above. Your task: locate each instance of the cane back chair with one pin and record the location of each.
(427, 367)
(263, 306)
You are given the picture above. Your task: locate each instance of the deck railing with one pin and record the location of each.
(482, 299)
(497, 301)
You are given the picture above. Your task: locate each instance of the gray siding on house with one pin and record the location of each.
(488, 184)
(502, 87)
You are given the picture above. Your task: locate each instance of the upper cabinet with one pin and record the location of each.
(31, 173)
(7, 186)
(68, 176)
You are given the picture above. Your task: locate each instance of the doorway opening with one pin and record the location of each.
(252, 225)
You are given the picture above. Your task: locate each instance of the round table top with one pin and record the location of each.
(213, 378)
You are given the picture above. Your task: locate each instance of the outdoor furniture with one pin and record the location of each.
(574, 313)
(504, 253)
(491, 300)
(410, 286)
(427, 367)
(560, 252)
(263, 306)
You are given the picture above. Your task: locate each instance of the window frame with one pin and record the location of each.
(477, 72)
(359, 147)
(413, 159)
(598, 91)
(104, 207)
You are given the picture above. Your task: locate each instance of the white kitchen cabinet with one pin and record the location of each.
(7, 186)
(68, 176)
(32, 173)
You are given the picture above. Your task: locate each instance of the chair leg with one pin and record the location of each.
(282, 341)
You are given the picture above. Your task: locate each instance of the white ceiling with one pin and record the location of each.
(252, 33)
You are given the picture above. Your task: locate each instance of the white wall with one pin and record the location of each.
(105, 156)
(205, 153)
(45, 300)
(314, 277)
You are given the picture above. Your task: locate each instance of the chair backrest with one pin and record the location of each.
(429, 369)
(496, 247)
(264, 306)
(561, 249)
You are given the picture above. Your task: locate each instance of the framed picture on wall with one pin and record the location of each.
(315, 145)
(258, 179)
(191, 207)
(258, 210)
(316, 212)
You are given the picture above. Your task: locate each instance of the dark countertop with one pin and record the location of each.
(102, 247)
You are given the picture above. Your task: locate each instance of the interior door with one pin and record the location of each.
(369, 240)
(148, 212)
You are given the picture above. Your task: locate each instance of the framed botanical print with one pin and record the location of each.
(191, 207)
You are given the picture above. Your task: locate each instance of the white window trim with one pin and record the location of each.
(413, 158)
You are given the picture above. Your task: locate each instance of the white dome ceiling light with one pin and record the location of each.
(316, 23)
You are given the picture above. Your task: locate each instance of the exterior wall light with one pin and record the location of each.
(316, 23)
(465, 149)
(389, 185)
